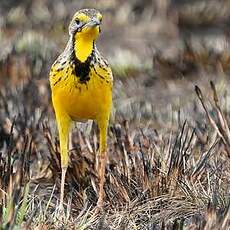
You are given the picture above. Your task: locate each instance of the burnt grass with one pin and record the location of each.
(161, 173)
(168, 164)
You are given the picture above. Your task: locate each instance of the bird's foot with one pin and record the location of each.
(61, 209)
(98, 209)
(60, 214)
(100, 201)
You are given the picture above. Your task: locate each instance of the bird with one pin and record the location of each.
(81, 83)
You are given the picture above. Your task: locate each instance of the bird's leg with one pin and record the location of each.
(101, 173)
(63, 173)
(102, 160)
(64, 122)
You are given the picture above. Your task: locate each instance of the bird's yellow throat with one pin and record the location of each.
(84, 41)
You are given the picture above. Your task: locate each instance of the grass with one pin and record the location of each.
(172, 177)
(168, 161)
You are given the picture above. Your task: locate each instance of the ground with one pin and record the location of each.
(168, 141)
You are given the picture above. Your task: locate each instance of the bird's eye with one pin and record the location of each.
(77, 21)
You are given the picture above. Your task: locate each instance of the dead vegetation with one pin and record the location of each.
(164, 178)
(168, 161)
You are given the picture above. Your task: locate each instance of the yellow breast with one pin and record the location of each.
(89, 100)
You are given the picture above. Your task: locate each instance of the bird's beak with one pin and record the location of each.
(93, 23)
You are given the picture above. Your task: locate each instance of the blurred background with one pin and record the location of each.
(169, 45)
(158, 50)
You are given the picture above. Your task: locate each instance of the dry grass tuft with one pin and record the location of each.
(168, 161)
(169, 178)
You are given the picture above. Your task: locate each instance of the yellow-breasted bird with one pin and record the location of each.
(81, 83)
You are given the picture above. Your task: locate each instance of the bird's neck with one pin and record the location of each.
(83, 47)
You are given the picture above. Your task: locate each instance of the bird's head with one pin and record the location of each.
(85, 24)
